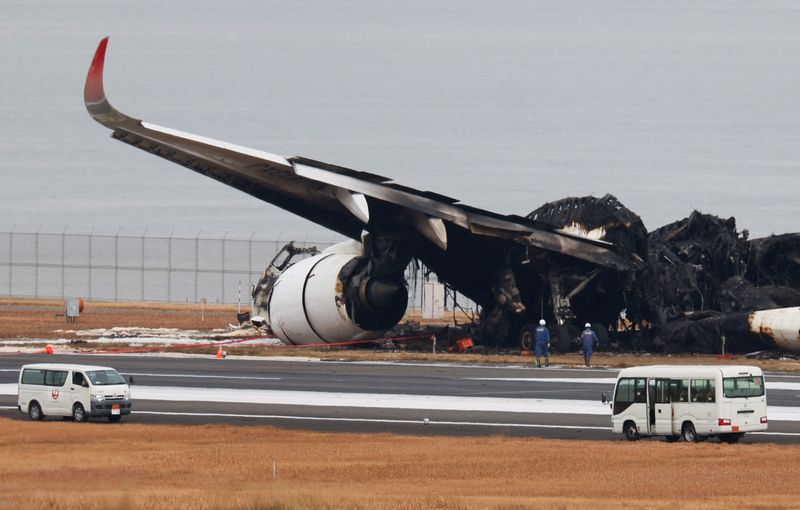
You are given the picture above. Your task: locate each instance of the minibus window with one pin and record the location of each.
(32, 376)
(55, 377)
(679, 390)
(640, 396)
(629, 391)
(749, 386)
(105, 377)
(703, 390)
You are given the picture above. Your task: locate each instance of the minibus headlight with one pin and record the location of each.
(97, 398)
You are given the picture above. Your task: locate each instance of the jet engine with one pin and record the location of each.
(334, 297)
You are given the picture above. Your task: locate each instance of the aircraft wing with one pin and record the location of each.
(341, 199)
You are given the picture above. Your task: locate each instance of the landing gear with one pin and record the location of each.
(527, 336)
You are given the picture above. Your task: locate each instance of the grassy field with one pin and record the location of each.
(70, 465)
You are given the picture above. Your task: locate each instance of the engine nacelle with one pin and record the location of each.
(315, 301)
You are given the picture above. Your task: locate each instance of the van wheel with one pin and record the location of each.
(629, 429)
(730, 438)
(114, 418)
(688, 433)
(35, 411)
(78, 413)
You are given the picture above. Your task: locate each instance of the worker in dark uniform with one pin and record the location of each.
(542, 344)
(590, 341)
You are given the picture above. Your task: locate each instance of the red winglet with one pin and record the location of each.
(93, 92)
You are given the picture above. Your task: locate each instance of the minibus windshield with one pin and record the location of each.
(748, 386)
(105, 377)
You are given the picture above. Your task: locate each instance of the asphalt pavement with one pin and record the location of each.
(370, 397)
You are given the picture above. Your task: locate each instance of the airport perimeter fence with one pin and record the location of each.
(149, 266)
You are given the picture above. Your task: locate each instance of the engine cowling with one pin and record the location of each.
(315, 301)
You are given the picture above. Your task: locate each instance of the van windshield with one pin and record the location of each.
(105, 377)
(748, 386)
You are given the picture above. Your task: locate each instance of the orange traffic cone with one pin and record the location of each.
(220, 353)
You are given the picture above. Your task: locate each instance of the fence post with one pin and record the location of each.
(222, 269)
(64, 263)
(10, 260)
(250, 258)
(91, 232)
(169, 267)
(196, 264)
(36, 258)
(116, 266)
(142, 266)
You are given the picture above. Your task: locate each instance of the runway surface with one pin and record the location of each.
(370, 397)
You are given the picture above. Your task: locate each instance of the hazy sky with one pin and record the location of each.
(504, 105)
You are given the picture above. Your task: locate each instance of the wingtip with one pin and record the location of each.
(93, 92)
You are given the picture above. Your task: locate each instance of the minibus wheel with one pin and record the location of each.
(630, 431)
(35, 411)
(688, 433)
(78, 413)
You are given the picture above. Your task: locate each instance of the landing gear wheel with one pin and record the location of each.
(688, 433)
(35, 411)
(631, 434)
(527, 335)
(78, 413)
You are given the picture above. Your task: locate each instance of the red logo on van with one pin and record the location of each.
(54, 393)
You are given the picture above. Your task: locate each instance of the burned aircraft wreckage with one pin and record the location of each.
(679, 288)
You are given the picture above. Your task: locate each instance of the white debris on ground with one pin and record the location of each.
(139, 337)
(167, 333)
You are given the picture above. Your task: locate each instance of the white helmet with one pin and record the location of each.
(587, 325)
(542, 322)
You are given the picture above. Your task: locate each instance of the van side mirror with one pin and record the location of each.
(604, 398)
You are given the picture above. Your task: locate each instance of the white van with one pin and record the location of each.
(79, 391)
(689, 402)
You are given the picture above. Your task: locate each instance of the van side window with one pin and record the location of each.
(32, 376)
(78, 379)
(703, 390)
(679, 390)
(55, 377)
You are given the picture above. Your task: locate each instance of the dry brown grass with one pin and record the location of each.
(32, 318)
(69, 465)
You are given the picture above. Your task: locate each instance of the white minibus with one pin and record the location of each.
(79, 391)
(689, 402)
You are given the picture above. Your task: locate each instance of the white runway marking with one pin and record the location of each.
(385, 401)
(373, 420)
(370, 400)
(205, 376)
(196, 376)
(587, 380)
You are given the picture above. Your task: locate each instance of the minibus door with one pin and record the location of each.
(662, 408)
